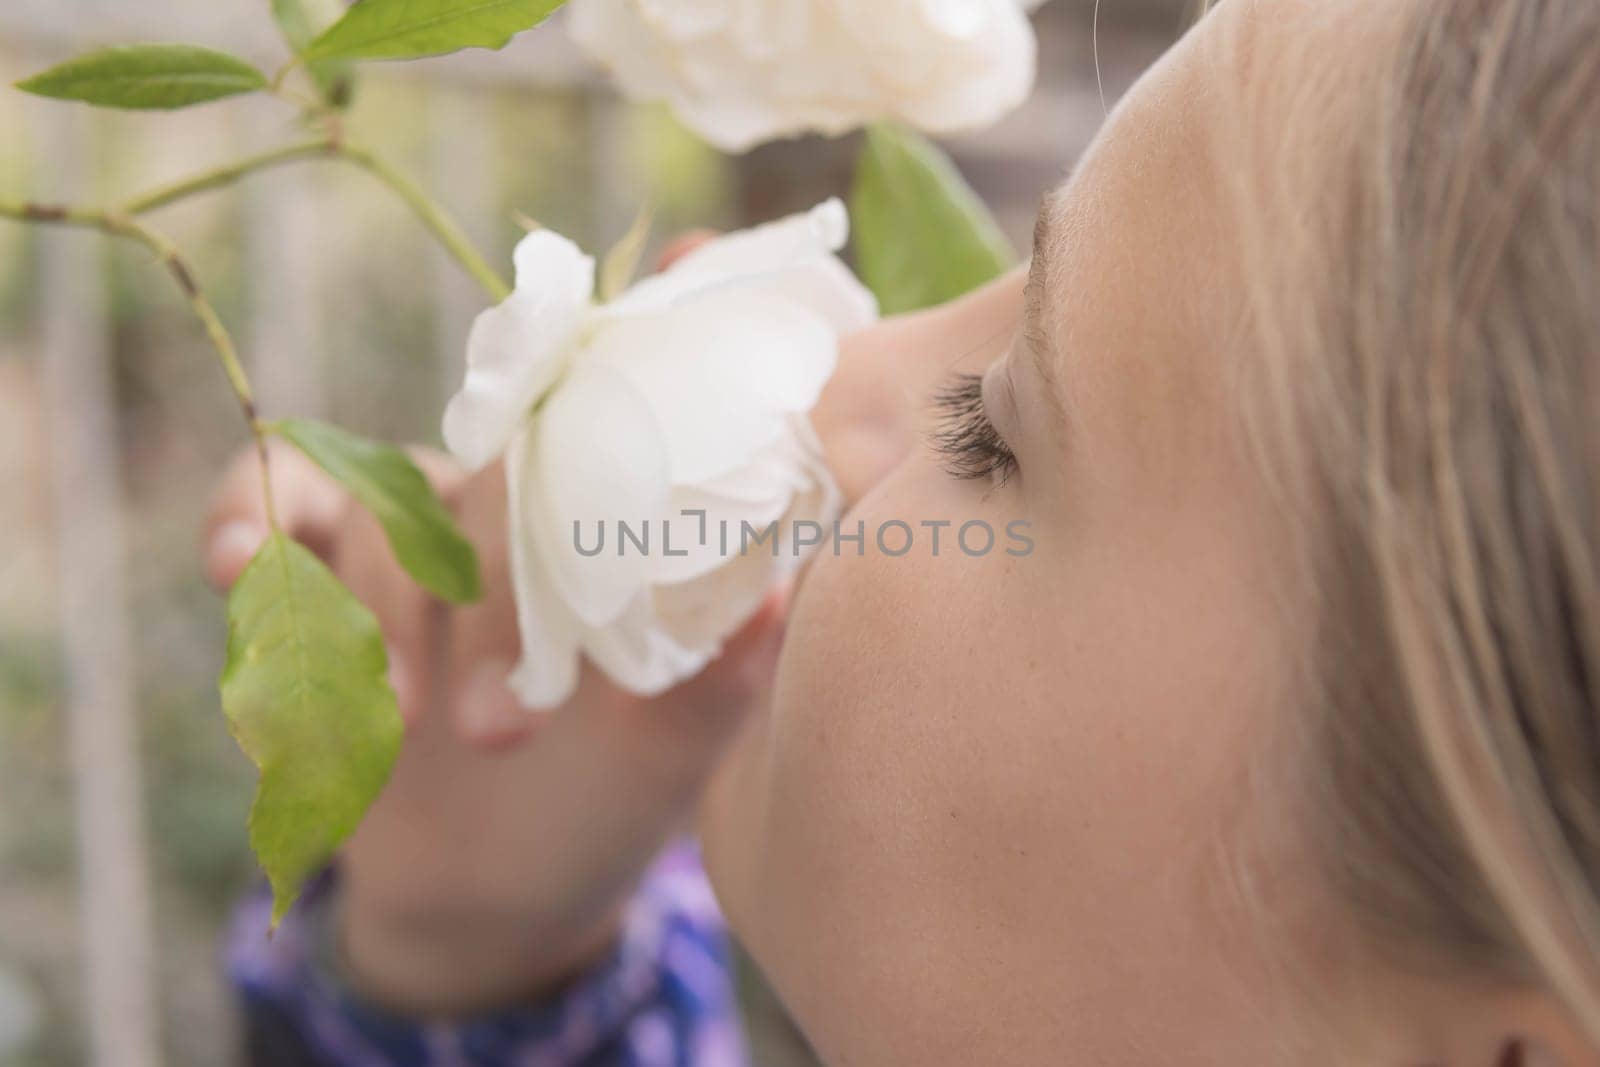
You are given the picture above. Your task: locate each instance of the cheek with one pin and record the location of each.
(884, 774)
(989, 784)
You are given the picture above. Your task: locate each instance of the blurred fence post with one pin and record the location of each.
(113, 875)
(286, 245)
(463, 171)
(615, 194)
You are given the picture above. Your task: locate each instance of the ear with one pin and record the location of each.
(1534, 1031)
(1456, 1025)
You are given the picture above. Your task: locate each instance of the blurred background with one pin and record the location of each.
(122, 798)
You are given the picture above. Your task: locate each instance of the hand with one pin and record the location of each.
(497, 860)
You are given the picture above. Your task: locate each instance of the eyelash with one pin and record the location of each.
(973, 449)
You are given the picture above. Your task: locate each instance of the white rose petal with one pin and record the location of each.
(548, 672)
(742, 72)
(601, 457)
(803, 244)
(517, 349)
(689, 393)
(722, 371)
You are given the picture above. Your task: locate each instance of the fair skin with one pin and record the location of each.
(994, 808)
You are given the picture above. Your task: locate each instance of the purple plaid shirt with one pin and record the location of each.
(663, 998)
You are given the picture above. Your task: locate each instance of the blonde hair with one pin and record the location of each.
(1436, 378)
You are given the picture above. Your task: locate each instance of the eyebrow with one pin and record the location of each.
(1044, 225)
(1045, 243)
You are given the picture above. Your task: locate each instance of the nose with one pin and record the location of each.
(873, 411)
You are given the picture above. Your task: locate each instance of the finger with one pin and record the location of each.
(308, 504)
(412, 621)
(485, 643)
(717, 700)
(442, 471)
(485, 709)
(682, 245)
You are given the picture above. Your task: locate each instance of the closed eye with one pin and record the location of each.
(971, 446)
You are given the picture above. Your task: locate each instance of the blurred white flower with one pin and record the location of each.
(742, 72)
(689, 393)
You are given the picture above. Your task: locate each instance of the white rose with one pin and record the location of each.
(689, 393)
(746, 71)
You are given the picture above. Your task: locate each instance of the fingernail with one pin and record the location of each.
(232, 548)
(487, 712)
(681, 245)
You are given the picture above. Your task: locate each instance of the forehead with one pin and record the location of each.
(1133, 255)
(1148, 251)
(1230, 86)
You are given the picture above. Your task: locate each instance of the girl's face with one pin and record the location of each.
(996, 810)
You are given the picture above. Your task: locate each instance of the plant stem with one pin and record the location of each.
(282, 74)
(332, 146)
(120, 224)
(225, 176)
(431, 216)
(123, 222)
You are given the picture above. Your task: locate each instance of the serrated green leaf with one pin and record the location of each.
(922, 236)
(147, 77)
(301, 22)
(622, 262)
(424, 537)
(307, 697)
(409, 29)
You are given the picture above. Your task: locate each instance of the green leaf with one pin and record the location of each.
(408, 29)
(147, 77)
(307, 697)
(421, 532)
(301, 21)
(622, 262)
(922, 236)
